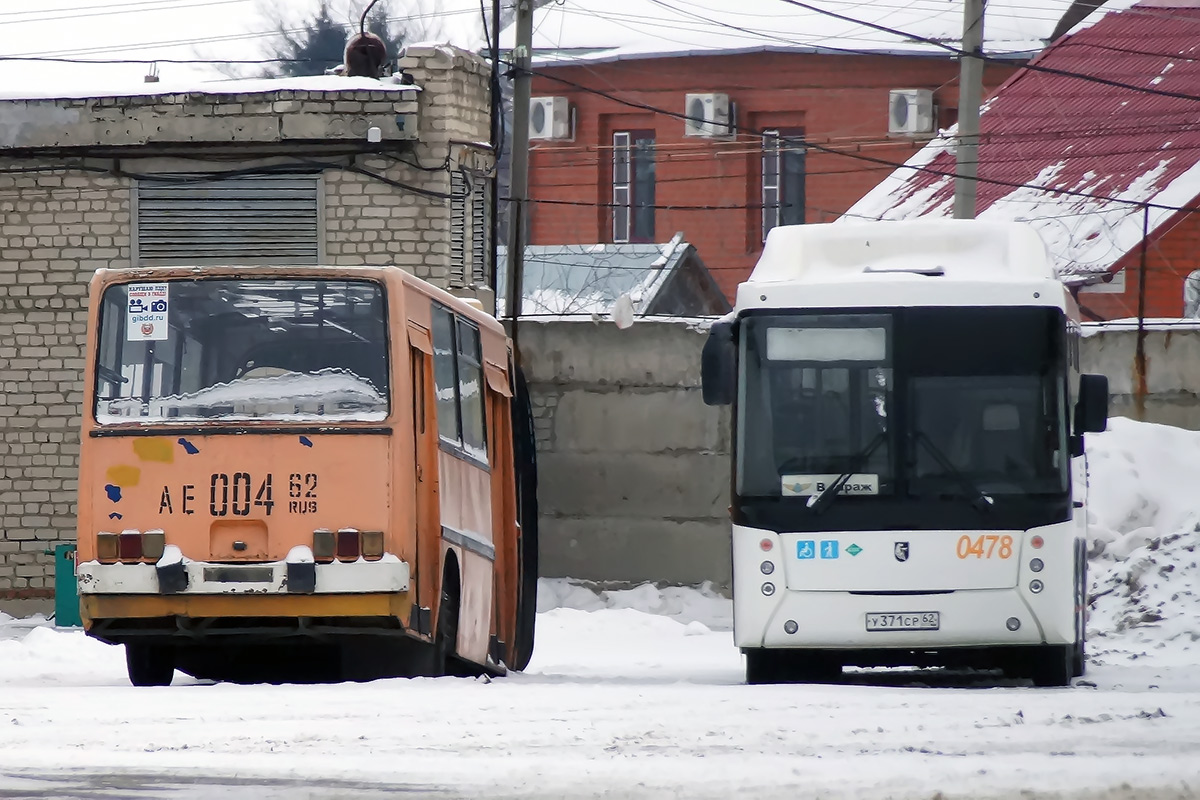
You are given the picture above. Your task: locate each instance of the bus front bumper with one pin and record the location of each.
(838, 620)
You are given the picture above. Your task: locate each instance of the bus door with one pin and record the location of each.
(427, 562)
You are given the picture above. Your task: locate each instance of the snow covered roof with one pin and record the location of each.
(665, 278)
(1044, 134)
(952, 248)
(588, 31)
(315, 83)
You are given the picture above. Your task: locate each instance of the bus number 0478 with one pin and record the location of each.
(985, 545)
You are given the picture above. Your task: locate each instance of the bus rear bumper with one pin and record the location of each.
(387, 575)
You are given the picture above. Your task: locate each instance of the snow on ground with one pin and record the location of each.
(638, 693)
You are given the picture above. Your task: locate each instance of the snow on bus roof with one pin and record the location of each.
(959, 249)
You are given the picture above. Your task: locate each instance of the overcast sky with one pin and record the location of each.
(177, 29)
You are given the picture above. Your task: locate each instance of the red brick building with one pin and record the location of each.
(802, 113)
(1107, 169)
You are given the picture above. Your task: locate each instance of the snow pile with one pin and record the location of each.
(701, 605)
(1150, 601)
(32, 653)
(1144, 522)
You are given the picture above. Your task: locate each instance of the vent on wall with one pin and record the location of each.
(708, 115)
(247, 220)
(910, 111)
(550, 118)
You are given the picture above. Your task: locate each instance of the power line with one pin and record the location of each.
(1032, 66)
(233, 37)
(112, 9)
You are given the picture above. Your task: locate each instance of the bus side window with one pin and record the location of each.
(471, 389)
(445, 374)
(418, 387)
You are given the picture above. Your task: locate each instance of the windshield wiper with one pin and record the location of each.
(818, 502)
(978, 499)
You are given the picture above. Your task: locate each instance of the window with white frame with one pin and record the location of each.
(782, 179)
(633, 186)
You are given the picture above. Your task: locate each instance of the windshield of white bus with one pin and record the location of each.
(814, 402)
(230, 349)
(917, 402)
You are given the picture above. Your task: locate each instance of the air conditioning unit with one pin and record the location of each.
(910, 111)
(708, 115)
(549, 118)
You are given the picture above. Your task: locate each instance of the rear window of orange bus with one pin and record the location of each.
(234, 349)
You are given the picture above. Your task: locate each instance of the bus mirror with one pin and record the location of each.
(1091, 409)
(718, 365)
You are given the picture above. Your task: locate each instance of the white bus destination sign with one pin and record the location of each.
(809, 485)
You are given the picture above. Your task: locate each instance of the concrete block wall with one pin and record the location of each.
(58, 224)
(633, 467)
(1172, 371)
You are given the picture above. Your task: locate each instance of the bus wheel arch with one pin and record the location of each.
(445, 637)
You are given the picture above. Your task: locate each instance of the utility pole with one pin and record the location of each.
(497, 105)
(970, 95)
(519, 176)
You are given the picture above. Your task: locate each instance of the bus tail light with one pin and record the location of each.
(348, 547)
(766, 545)
(1036, 542)
(107, 550)
(129, 546)
(372, 545)
(323, 545)
(153, 544)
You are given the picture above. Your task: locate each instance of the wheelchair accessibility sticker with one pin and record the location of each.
(808, 549)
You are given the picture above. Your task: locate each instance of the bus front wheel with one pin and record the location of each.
(149, 664)
(1052, 665)
(790, 666)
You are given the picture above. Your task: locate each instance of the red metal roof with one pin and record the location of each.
(1058, 132)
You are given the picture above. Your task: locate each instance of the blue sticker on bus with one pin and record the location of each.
(806, 548)
(829, 548)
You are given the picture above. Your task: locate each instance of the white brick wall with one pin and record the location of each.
(57, 227)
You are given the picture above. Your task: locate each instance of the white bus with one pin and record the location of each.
(908, 484)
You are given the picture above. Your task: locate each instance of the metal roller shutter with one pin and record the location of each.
(254, 220)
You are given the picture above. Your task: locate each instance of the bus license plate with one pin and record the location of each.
(907, 621)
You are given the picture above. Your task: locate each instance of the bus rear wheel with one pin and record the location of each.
(149, 664)
(445, 639)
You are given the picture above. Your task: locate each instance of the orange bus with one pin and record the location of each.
(314, 473)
